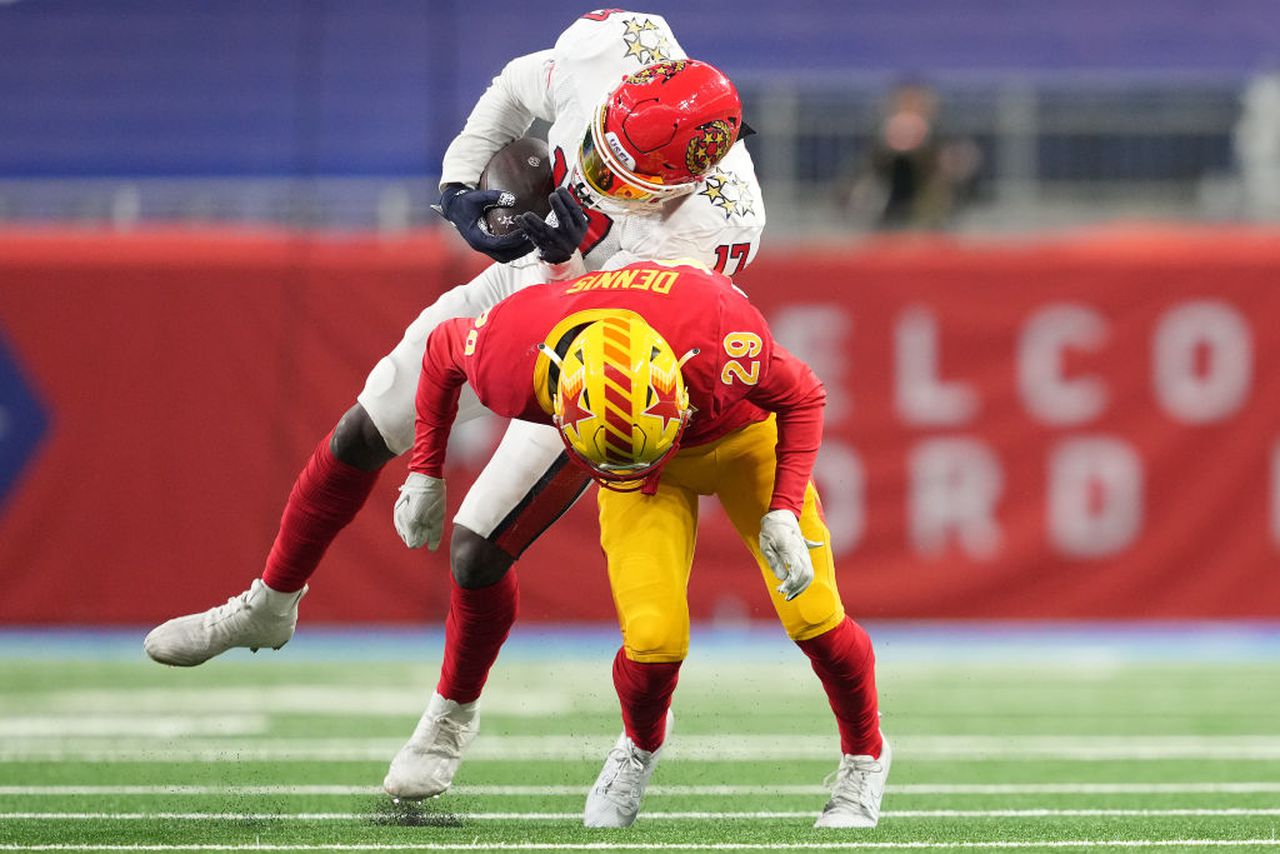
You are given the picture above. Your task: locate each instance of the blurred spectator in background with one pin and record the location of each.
(912, 176)
(1257, 144)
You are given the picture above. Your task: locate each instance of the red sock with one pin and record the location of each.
(325, 498)
(479, 621)
(644, 690)
(846, 664)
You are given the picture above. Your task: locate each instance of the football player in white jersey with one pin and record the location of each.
(648, 141)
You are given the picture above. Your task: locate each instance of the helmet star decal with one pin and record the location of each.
(666, 70)
(729, 193)
(572, 390)
(645, 42)
(665, 394)
(709, 147)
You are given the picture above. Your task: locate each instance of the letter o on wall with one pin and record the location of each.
(1185, 390)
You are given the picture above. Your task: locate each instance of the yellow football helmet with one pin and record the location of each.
(620, 404)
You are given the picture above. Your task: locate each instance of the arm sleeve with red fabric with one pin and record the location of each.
(790, 389)
(439, 384)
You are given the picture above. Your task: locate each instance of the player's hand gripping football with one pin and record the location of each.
(465, 208)
(419, 511)
(560, 233)
(787, 552)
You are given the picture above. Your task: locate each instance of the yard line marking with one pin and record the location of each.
(734, 748)
(666, 846)
(657, 815)
(155, 726)
(659, 790)
(324, 700)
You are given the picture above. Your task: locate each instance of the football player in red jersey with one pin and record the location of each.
(665, 383)
(649, 142)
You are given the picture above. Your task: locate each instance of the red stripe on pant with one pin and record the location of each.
(545, 503)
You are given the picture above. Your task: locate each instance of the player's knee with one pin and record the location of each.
(655, 637)
(812, 613)
(357, 442)
(475, 561)
(808, 626)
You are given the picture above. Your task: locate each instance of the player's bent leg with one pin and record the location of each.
(838, 649)
(527, 485)
(479, 620)
(644, 693)
(333, 486)
(478, 624)
(648, 541)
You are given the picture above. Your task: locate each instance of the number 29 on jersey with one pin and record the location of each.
(742, 348)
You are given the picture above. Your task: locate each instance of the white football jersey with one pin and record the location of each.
(719, 224)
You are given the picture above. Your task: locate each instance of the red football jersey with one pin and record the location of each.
(739, 375)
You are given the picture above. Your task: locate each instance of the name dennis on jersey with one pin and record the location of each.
(658, 281)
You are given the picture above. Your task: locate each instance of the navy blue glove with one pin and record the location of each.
(556, 242)
(465, 207)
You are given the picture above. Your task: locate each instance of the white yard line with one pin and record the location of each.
(151, 726)
(654, 815)
(831, 845)
(321, 700)
(735, 748)
(672, 790)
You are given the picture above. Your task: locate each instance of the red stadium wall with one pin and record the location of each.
(1084, 428)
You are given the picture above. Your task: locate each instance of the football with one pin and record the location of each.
(521, 168)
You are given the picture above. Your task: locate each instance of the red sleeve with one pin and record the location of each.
(439, 385)
(790, 389)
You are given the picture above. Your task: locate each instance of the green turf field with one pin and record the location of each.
(279, 753)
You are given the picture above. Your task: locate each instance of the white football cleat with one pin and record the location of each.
(259, 617)
(857, 789)
(425, 766)
(614, 800)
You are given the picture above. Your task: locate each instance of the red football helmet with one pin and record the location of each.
(656, 134)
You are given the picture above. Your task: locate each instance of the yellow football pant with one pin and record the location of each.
(649, 540)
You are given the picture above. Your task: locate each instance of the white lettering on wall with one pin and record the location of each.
(817, 334)
(1046, 391)
(1095, 497)
(922, 396)
(1203, 361)
(954, 485)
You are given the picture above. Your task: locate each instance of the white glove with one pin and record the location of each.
(419, 511)
(787, 552)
